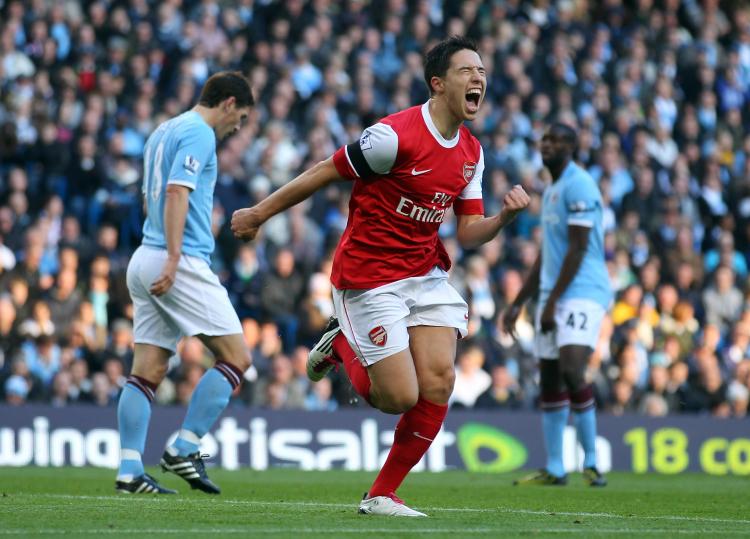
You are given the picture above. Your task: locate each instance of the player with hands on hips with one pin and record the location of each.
(399, 317)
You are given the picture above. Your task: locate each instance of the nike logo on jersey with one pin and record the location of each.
(415, 172)
(423, 437)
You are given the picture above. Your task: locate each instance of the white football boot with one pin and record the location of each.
(389, 506)
(321, 359)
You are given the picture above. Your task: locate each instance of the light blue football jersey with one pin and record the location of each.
(574, 199)
(181, 151)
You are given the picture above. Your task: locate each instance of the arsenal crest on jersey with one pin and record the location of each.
(378, 336)
(469, 169)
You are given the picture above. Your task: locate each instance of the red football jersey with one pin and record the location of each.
(406, 177)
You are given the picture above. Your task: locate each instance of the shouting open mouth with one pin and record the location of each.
(473, 97)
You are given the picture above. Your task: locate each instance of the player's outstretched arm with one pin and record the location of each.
(247, 221)
(528, 290)
(578, 240)
(175, 212)
(474, 230)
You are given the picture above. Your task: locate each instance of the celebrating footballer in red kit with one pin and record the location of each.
(397, 317)
(410, 175)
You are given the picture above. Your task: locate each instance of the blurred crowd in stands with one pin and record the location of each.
(658, 89)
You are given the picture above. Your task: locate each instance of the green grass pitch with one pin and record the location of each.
(81, 502)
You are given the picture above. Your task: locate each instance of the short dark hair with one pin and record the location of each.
(438, 58)
(569, 133)
(226, 84)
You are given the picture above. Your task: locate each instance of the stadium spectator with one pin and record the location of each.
(503, 393)
(8, 337)
(120, 347)
(61, 387)
(471, 379)
(723, 301)
(64, 301)
(280, 297)
(80, 385)
(43, 357)
(102, 392)
(279, 389)
(16, 390)
(320, 397)
(299, 367)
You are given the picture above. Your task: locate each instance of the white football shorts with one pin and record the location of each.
(375, 321)
(577, 323)
(196, 304)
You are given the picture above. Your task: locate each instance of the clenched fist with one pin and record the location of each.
(245, 223)
(514, 201)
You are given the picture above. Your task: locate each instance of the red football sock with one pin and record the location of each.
(414, 434)
(354, 369)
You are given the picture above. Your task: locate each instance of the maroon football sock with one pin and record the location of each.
(583, 399)
(414, 434)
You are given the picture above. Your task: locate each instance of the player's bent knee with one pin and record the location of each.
(230, 349)
(439, 392)
(150, 362)
(397, 404)
(241, 360)
(575, 380)
(407, 403)
(152, 371)
(439, 395)
(448, 380)
(437, 386)
(574, 375)
(397, 407)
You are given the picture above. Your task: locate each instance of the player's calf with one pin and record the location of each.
(584, 418)
(208, 401)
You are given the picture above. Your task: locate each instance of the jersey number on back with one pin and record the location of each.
(152, 175)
